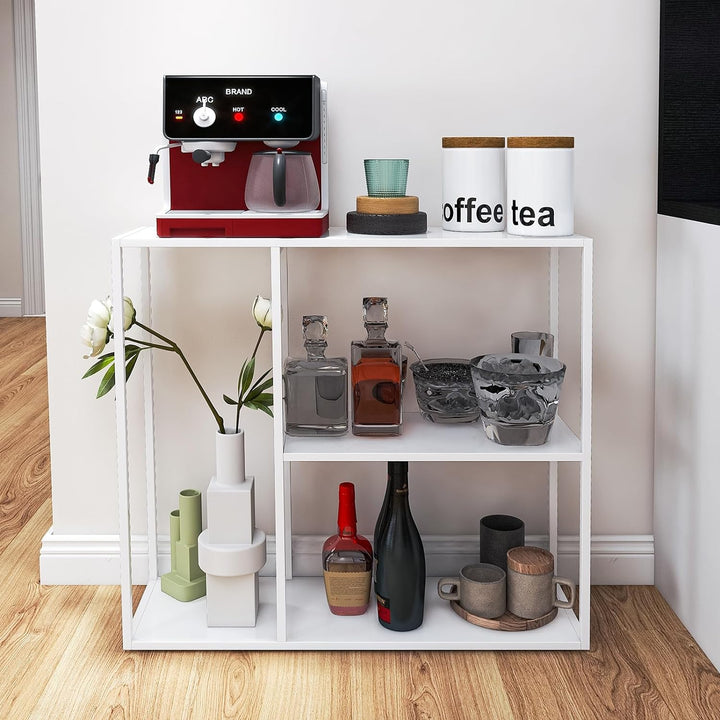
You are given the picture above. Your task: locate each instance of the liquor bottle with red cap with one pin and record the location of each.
(347, 560)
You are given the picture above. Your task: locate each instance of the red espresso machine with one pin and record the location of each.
(247, 156)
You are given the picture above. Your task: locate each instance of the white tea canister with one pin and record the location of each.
(540, 186)
(473, 184)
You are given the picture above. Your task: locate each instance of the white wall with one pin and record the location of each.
(401, 75)
(687, 492)
(11, 281)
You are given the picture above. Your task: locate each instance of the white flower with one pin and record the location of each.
(99, 313)
(262, 312)
(94, 337)
(128, 313)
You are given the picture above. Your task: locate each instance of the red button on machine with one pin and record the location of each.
(239, 117)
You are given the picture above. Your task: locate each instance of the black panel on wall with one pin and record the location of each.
(689, 136)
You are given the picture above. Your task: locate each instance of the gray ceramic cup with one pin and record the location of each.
(499, 533)
(529, 342)
(480, 590)
(531, 584)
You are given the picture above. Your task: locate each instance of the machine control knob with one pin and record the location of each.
(204, 116)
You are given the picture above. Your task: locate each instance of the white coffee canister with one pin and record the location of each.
(540, 186)
(473, 184)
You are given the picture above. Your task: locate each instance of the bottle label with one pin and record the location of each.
(347, 589)
(383, 607)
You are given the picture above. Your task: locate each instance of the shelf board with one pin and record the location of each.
(163, 623)
(338, 237)
(426, 441)
(311, 626)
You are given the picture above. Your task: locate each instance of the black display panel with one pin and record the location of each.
(689, 133)
(241, 107)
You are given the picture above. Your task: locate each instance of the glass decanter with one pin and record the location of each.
(316, 396)
(376, 375)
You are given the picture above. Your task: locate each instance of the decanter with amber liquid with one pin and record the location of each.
(376, 375)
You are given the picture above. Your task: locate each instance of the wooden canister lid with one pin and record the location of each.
(406, 205)
(541, 142)
(530, 560)
(473, 142)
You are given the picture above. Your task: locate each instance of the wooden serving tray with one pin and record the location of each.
(508, 621)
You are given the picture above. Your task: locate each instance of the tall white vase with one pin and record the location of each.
(231, 551)
(230, 458)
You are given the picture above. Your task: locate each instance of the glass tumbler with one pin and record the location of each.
(386, 178)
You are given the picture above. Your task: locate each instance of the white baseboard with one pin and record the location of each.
(10, 307)
(95, 559)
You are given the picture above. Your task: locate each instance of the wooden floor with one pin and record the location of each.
(61, 655)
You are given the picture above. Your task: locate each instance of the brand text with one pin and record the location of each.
(526, 215)
(467, 210)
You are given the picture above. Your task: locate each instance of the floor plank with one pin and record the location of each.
(664, 649)
(22, 341)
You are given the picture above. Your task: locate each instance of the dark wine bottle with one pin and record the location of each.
(400, 569)
(384, 511)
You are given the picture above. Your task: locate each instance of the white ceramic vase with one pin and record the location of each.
(231, 551)
(230, 457)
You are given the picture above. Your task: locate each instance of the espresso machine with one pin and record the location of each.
(247, 156)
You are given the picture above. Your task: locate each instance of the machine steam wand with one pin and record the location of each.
(204, 152)
(154, 159)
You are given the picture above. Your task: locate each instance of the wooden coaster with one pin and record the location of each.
(508, 621)
(374, 224)
(387, 206)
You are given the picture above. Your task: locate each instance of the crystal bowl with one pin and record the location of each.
(444, 390)
(518, 396)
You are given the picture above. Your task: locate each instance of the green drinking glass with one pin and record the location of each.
(386, 178)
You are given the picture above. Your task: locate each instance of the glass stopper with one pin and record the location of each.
(315, 329)
(375, 311)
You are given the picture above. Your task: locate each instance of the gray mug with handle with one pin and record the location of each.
(531, 585)
(480, 590)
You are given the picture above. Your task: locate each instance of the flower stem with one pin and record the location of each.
(237, 417)
(156, 334)
(148, 344)
(176, 349)
(257, 344)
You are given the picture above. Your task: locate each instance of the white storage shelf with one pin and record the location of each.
(424, 441)
(293, 613)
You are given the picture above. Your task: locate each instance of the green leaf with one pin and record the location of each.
(101, 363)
(263, 399)
(132, 353)
(266, 410)
(247, 376)
(229, 400)
(108, 382)
(260, 379)
(104, 360)
(131, 365)
(250, 404)
(259, 389)
(240, 377)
